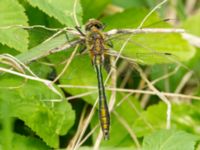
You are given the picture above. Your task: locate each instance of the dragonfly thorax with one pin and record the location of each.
(95, 41)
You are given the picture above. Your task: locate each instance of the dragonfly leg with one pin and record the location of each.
(79, 30)
(82, 49)
(109, 43)
(67, 37)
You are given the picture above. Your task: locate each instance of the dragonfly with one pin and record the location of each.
(95, 41)
(97, 44)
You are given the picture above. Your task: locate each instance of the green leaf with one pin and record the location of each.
(93, 8)
(61, 10)
(194, 65)
(132, 18)
(192, 24)
(41, 70)
(183, 116)
(5, 49)
(148, 48)
(170, 140)
(79, 72)
(129, 3)
(23, 142)
(161, 70)
(186, 117)
(32, 103)
(150, 120)
(12, 13)
(106, 148)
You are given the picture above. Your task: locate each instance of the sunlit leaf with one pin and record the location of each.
(64, 11)
(192, 24)
(170, 140)
(32, 103)
(184, 116)
(129, 3)
(93, 9)
(12, 13)
(78, 73)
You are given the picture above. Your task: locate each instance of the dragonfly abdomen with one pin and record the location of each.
(104, 119)
(103, 108)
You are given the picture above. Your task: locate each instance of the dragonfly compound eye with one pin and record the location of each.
(93, 23)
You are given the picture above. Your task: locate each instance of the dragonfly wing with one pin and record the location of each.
(154, 48)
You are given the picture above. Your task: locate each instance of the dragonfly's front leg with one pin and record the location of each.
(79, 30)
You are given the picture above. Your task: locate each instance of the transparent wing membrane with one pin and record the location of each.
(154, 48)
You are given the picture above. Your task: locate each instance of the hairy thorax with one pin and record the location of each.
(95, 41)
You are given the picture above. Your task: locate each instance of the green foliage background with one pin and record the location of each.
(32, 116)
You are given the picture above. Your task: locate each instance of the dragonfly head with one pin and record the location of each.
(93, 23)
